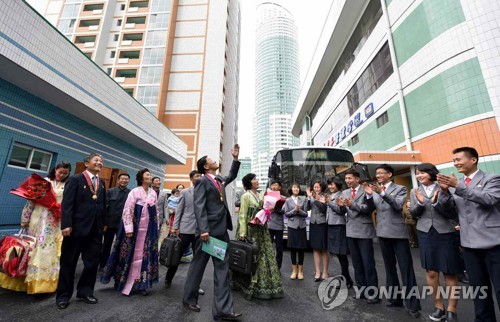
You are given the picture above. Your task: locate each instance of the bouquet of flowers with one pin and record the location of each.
(271, 198)
(39, 191)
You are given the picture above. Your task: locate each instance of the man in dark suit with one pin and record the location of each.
(476, 198)
(115, 201)
(83, 209)
(213, 219)
(388, 198)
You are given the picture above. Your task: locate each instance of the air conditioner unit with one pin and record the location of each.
(119, 79)
(129, 25)
(122, 60)
(133, 9)
(126, 42)
(89, 44)
(96, 27)
(97, 12)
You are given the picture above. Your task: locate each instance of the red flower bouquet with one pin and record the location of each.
(39, 191)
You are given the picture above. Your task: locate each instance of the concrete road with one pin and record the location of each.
(300, 302)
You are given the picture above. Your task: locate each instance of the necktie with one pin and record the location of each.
(353, 193)
(383, 188)
(467, 181)
(93, 182)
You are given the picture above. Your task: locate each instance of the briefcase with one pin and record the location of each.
(170, 251)
(243, 256)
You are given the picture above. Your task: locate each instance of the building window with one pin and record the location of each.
(29, 158)
(148, 94)
(70, 10)
(379, 70)
(355, 140)
(66, 25)
(113, 54)
(150, 75)
(89, 55)
(382, 119)
(156, 38)
(153, 56)
(160, 5)
(116, 36)
(129, 91)
(119, 22)
(159, 21)
(122, 7)
(109, 70)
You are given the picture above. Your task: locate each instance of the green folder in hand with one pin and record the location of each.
(215, 247)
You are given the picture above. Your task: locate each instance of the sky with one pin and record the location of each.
(309, 17)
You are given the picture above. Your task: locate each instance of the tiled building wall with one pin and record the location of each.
(31, 121)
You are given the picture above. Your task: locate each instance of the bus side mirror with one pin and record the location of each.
(363, 171)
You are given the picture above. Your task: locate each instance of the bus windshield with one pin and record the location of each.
(308, 164)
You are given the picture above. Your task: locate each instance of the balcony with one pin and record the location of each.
(138, 6)
(132, 40)
(88, 25)
(129, 57)
(126, 76)
(93, 9)
(135, 22)
(85, 41)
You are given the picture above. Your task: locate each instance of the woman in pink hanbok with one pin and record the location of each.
(134, 260)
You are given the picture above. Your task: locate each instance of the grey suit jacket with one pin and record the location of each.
(428, 215)
(318, 210)
(277, 220)
(478, 208)
(296, 219)
(185, 220)
(162, 198)
(390, 222)
(212, 214)
(334, 215)
(359, 215)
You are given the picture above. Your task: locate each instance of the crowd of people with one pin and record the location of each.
(117, 232)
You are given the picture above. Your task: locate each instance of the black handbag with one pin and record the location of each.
(170, 251)
(243, 256)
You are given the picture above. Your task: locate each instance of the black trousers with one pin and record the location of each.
(89, 247)
(109, 236)
(363, 261)
(344, 266)
(483, 266)
(396, 250)
(223, 299)
(277, 237)
(186, 240)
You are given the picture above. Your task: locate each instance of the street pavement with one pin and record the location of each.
(300, 302)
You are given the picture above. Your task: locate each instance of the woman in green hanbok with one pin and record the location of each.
(265, 284)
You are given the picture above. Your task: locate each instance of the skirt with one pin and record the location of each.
(318, 235)
(439, 252)
(297, 238)
(337, 240)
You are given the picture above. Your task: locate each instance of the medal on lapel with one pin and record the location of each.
(91, 186)
(218, 186)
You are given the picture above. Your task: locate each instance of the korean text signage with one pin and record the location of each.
(354, 122)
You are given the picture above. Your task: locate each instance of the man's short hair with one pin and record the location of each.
(385, 167)
(354, 172)
(193, 173)
(471, 152)
(91, 156)
(201, 164)
(154, 178)
(123, 174)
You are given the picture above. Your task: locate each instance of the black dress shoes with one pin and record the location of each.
(437, 315)
(201, 291)
(394, 304)
(228, 317)
(61, 305)
(88, 299)
(192, 307)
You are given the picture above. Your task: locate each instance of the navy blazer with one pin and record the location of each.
(79, 210)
